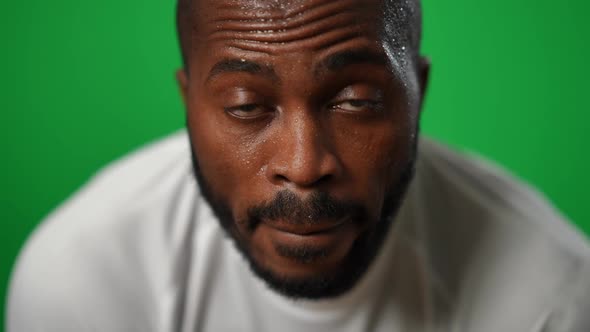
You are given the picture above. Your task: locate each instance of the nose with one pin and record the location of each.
(302, 157)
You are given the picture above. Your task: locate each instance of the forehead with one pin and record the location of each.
(301, 32)
(284, 9)
(280, 8)
(273, 25)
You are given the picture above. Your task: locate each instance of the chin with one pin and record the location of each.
(314, 272)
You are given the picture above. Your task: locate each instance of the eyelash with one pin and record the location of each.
(247, 108)
(372, 105)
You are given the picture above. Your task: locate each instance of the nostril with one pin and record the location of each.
(281, 178)
(323, 180)
(316, 181)
(303, 182)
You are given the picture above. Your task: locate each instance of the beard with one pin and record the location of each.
(320, 205)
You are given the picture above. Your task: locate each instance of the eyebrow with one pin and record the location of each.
(241, 65)
(333, 62)
(342, 59)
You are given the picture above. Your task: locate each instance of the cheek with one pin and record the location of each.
(375, 157)
(227, 159)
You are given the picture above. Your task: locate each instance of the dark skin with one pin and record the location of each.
(303, 97)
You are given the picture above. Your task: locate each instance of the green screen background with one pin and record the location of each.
(85, 82)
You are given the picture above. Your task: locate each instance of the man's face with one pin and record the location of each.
(303, 123)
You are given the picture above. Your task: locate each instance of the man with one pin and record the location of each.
(316, 206)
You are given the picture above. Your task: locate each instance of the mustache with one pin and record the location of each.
(288, 207)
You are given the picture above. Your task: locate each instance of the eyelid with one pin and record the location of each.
(259, 111)
(368, 105)
(360, 91)
(238, 107)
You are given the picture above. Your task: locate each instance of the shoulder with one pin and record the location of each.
(498, 246)
(480, 186)
(570, 312)
(121, 198)
(100, 251)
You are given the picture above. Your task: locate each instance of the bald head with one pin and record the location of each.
(401, 24)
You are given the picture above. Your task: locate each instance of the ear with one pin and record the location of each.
(423, 77)
(182, 80)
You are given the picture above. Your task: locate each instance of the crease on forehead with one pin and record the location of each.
(278, 8)
(396, 17)
(398, 20)
(275, 26)
(260, 19)
(336, 20)
(259, 26)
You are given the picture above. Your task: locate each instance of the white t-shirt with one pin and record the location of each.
(137, 249)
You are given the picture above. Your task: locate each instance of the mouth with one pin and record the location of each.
(305, 249)
(315, 229)
(323, 236)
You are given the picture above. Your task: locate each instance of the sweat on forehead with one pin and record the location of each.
(401, 18)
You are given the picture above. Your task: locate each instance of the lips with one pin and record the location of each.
(318, 228)
(304, 247)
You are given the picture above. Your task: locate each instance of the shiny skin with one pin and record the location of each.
(293, 124)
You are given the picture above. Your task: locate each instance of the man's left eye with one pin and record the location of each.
(356, 105)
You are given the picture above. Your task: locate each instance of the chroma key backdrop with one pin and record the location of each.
(84, 82)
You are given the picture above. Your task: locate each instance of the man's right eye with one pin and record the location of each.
(247, 111)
